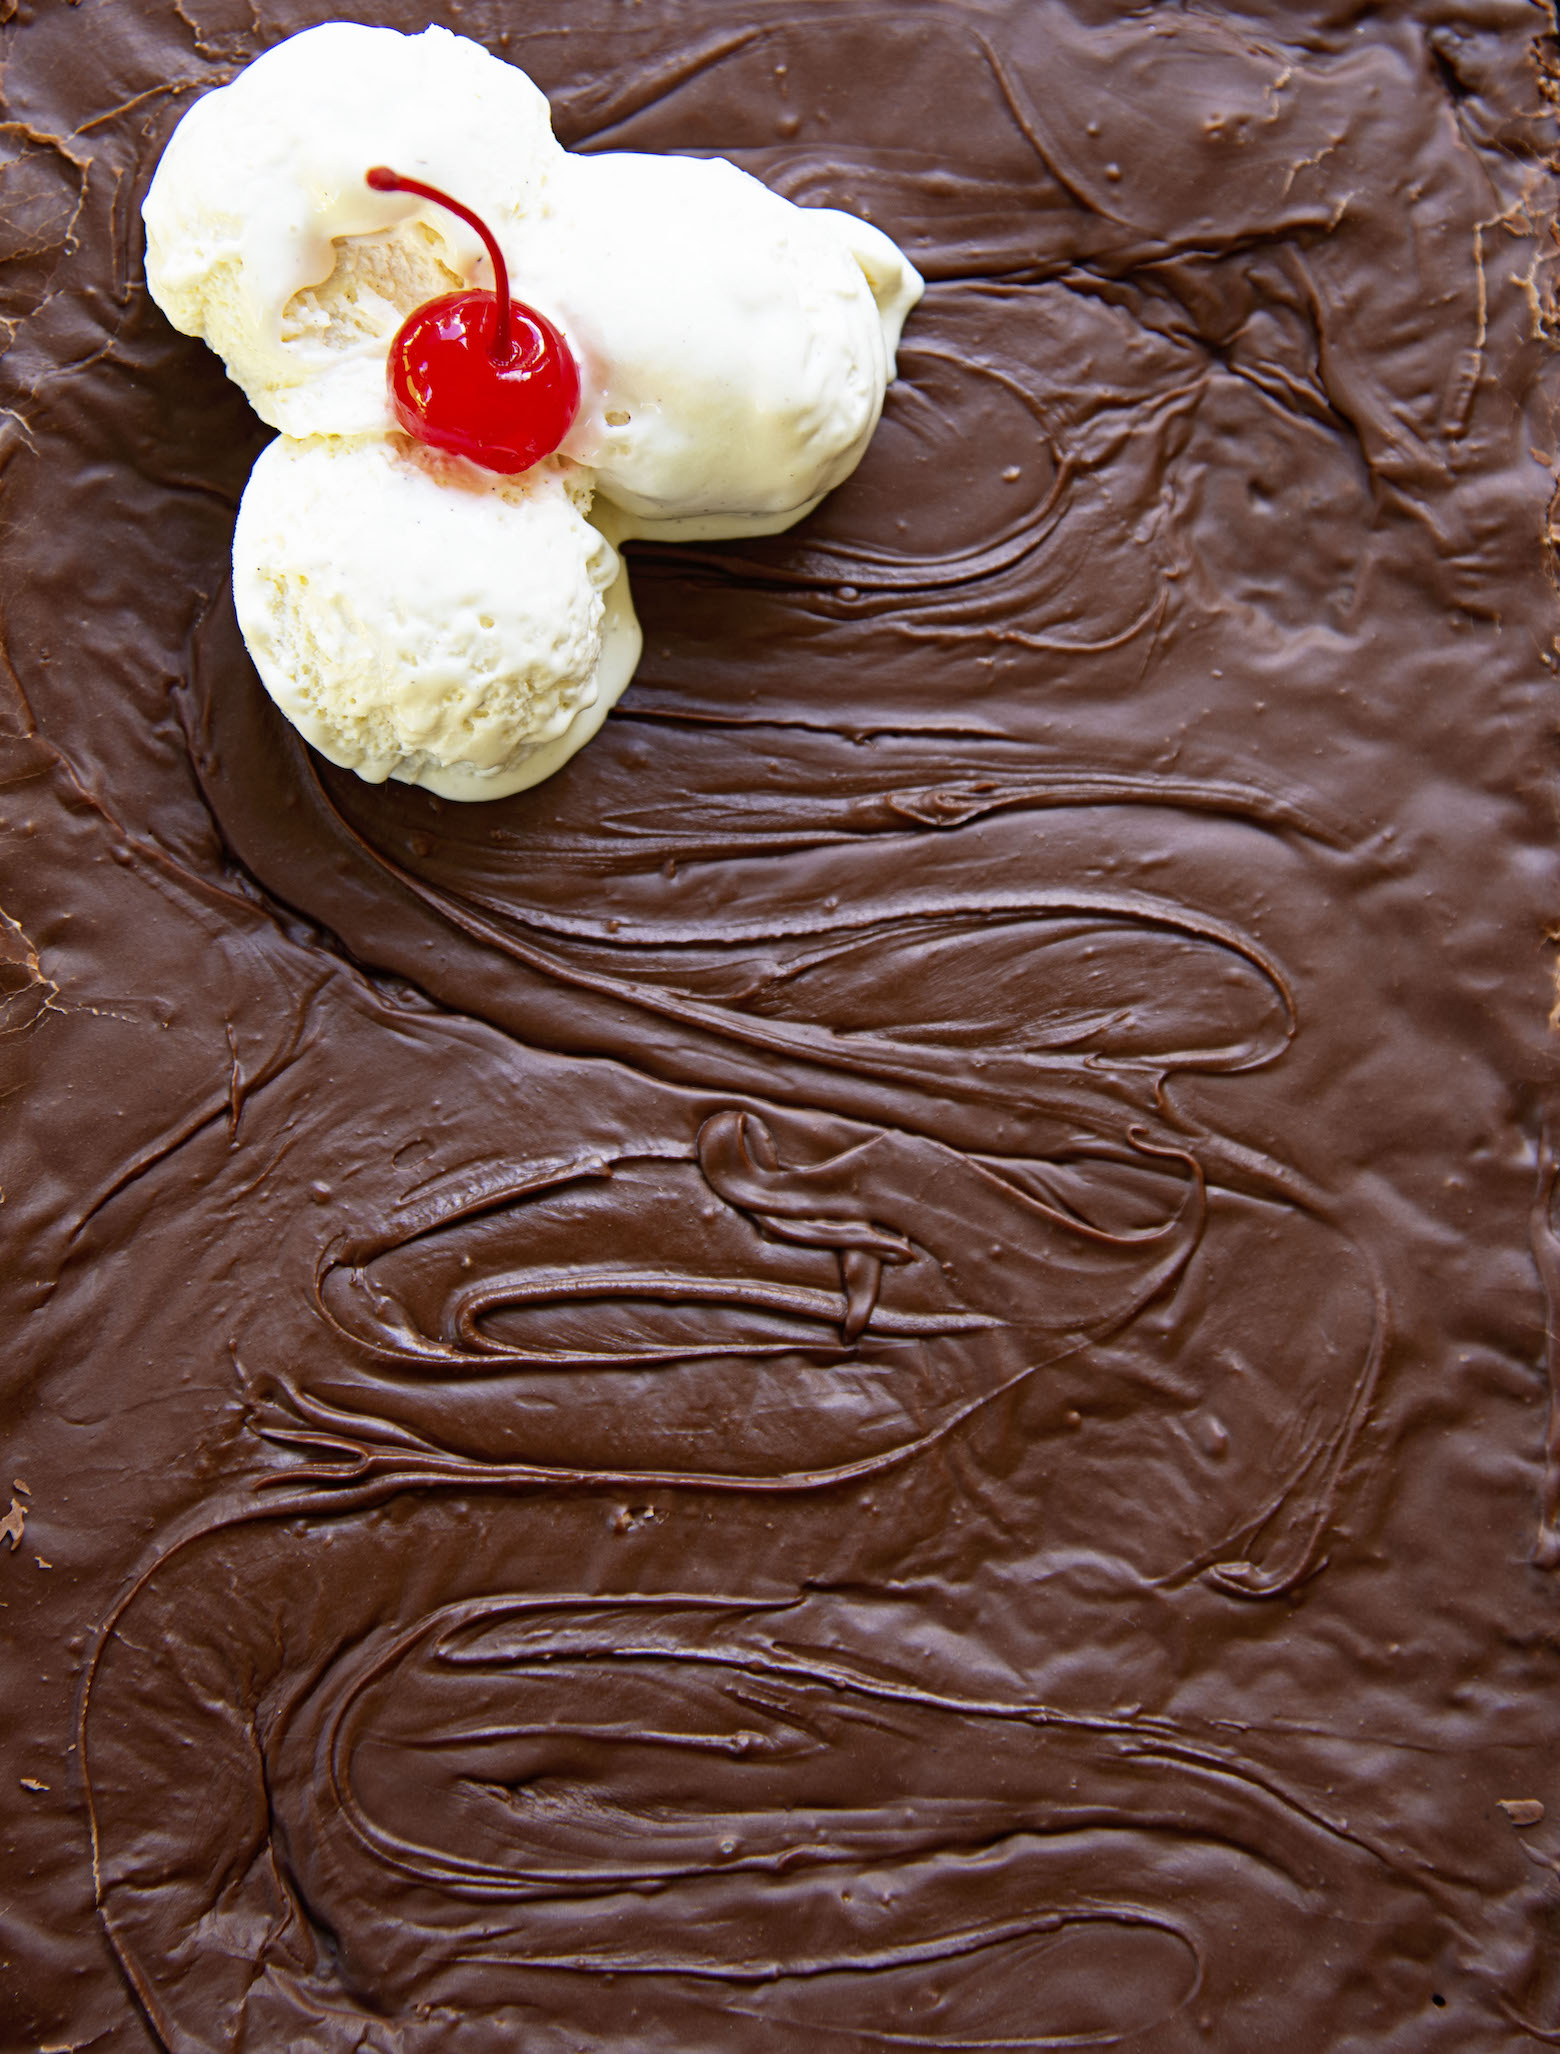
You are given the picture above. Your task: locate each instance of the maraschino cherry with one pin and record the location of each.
(475, 372)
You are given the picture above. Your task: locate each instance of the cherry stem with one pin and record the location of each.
(384, 180)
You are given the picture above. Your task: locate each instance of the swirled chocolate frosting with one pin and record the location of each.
(871, 1374)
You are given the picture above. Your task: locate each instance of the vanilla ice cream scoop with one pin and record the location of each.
(263, 239)
(735, 349)
(416, 616)
(419, 618)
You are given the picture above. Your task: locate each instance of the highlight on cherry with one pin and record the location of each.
(475, 372)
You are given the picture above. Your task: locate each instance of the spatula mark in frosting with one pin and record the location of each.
(470, 1339)
(581, 973)
(529, 1789)
(738, 1157)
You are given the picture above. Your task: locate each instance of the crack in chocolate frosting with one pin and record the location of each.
(873, 1372)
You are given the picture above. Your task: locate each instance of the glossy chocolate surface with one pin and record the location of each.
(871, 1374)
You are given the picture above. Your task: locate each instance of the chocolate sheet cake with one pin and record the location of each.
(871, 1373)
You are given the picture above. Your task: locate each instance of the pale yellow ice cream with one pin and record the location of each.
(263, 239)
(419, 618)
(427, 621)
(736, 348)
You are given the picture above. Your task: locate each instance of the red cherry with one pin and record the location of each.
(476, 372)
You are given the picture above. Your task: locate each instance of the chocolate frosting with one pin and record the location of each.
(871, 1373)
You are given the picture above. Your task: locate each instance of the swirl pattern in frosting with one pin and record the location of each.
(872, 1372)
